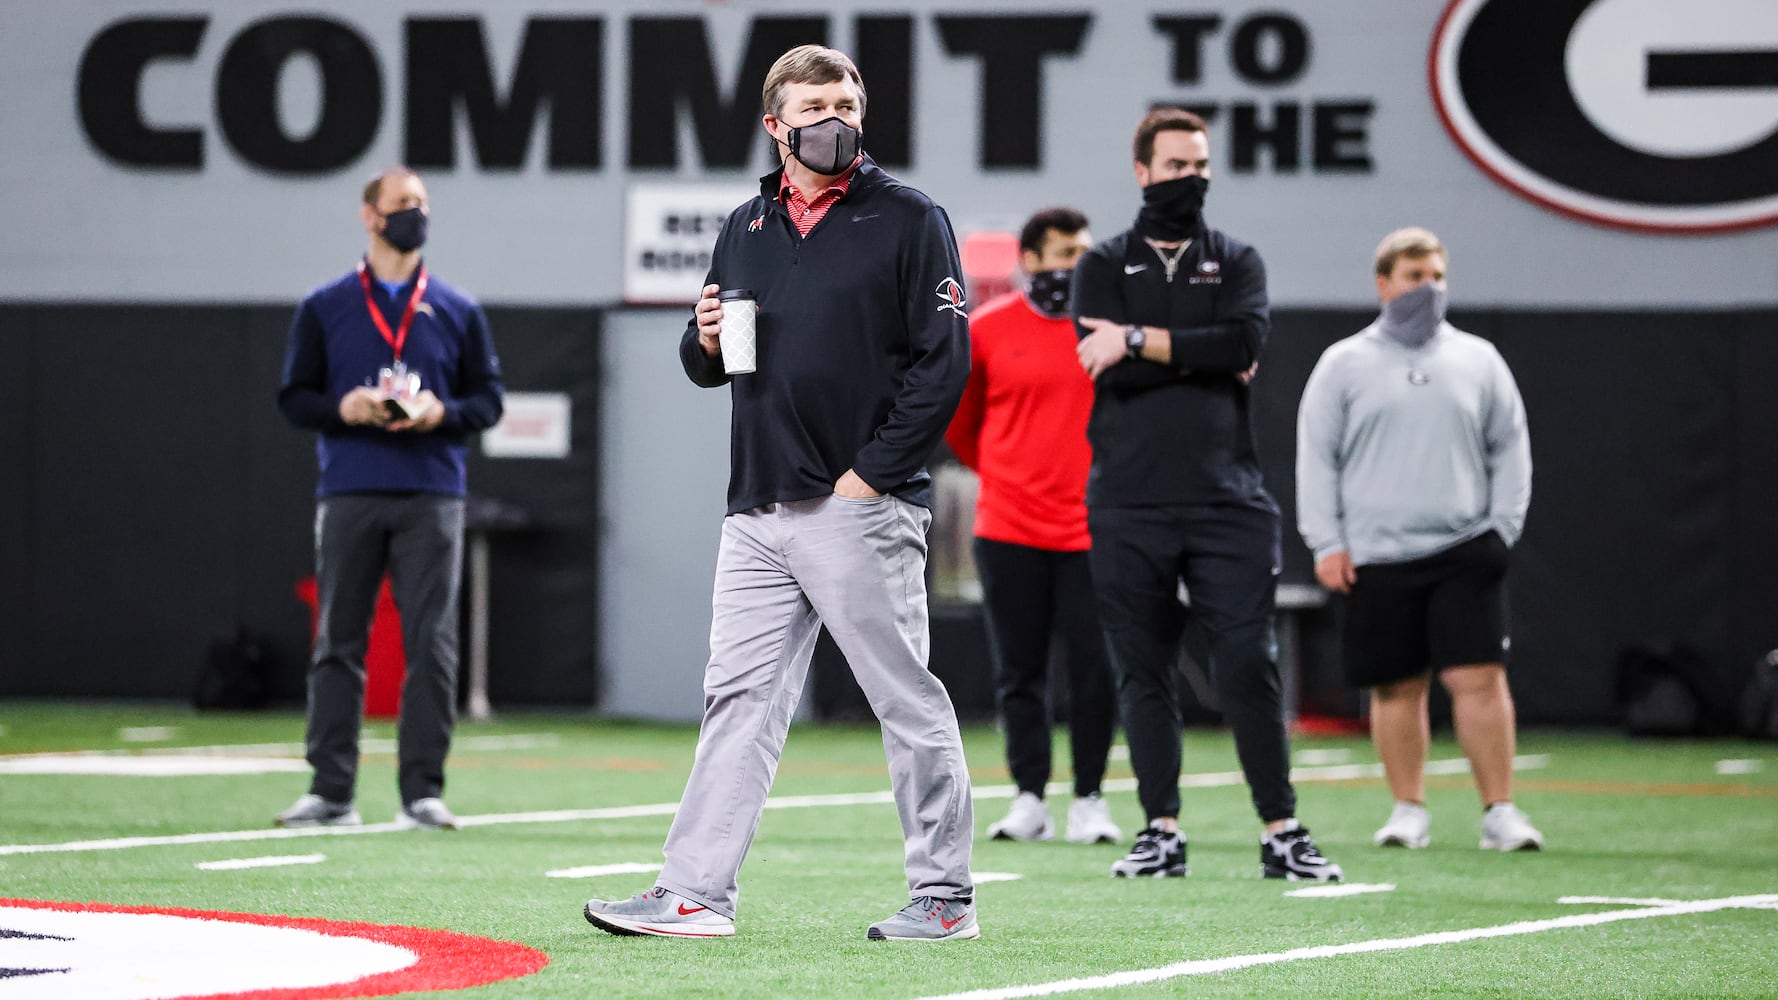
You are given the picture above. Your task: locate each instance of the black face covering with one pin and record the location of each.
(405, 230)
(827, 147)
(1172, 210)
(1051, 292)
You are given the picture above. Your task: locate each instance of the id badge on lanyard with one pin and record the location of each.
(395, 380)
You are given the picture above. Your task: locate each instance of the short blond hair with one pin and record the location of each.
(815, 64)
(1411, 242)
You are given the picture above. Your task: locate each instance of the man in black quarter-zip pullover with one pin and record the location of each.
(1172, 316)
(862, 351)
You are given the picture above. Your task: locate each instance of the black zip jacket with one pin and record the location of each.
(863, 342)
(1182, 432)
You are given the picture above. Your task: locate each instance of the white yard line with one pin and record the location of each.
(516, 741)
(979, 877)
(1212, 780)
(146, 734)
(1342, 889)
(594, 871)
(275, 861)
(1209, 966)
(1739, 766)
(145, 766)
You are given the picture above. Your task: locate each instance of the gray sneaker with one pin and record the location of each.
(658, 912)
(313, 810)
(929, 918)
(426, 814)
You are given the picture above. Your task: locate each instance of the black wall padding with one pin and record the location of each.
(154, 500)
(545, 588)
(17, 335)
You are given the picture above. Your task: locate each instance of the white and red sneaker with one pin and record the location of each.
(659, 912)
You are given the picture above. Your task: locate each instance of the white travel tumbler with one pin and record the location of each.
(739, 339)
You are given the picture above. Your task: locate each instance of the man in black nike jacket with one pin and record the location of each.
(862, 354)
(1172, 317)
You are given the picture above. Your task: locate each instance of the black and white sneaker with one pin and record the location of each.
(1157, 854)
(1292, 855)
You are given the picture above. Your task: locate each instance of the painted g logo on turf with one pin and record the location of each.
(53, 949)
(1649, 115)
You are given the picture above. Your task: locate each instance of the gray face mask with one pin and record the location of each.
(1410, 319)
(827, 147)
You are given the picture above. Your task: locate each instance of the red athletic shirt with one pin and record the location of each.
(1022, 426)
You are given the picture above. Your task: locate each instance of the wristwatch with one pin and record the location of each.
(1134, 338)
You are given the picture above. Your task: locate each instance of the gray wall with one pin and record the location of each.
(664, 482)
(1000, 117)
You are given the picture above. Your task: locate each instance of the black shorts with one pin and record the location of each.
(1446, 610)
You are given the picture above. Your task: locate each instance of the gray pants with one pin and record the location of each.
(418, 540)
(784, 570)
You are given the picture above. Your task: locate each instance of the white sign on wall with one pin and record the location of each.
(534, 425)
(668, 232)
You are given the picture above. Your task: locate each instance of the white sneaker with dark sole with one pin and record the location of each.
(1026, 819)
(1505, 828)
(929, 918)
(313, 810)
(658, 913)
(1409, 826)
(426, 814)
(1089, 822)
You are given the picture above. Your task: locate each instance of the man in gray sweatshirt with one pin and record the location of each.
(1413, 476)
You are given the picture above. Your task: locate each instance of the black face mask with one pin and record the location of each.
(827, 147)
(405, 230)
(1172, 210)
(1051, 292)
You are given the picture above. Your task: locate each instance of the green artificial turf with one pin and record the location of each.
(1623, 818)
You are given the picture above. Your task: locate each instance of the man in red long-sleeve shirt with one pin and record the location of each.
(1022, 426)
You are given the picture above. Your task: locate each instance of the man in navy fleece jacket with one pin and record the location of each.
(390, 495)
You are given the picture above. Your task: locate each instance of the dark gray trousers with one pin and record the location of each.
(418, 540)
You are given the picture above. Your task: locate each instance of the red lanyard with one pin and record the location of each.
(399, 337)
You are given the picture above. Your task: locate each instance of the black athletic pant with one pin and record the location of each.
(1028, 593)
(418, 539)
(1228, 557)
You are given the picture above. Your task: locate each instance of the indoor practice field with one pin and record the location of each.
(1660, 878)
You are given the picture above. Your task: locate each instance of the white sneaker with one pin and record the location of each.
(1505, 828)
(1408, 826)
(1089, 822)
(1026, 820)
(313, 810)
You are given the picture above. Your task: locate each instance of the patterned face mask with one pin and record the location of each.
(827, 147)
(1051, 292)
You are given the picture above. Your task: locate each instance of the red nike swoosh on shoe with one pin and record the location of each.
(696, 909)
(948, 924)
